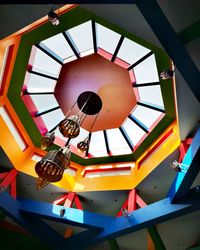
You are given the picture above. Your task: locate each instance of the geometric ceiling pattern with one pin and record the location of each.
(47, 65)
(161, 139)
(132, 98)
(153, 107)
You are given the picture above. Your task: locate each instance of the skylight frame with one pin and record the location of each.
(135, 85)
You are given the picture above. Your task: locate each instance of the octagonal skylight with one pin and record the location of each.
(46, 61)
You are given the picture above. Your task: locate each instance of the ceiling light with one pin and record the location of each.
(179, 167)
(83, 145)
(166, 74)
(53, 17)
(47, 140)
(51, 167)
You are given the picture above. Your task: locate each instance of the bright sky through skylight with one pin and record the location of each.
(43, 63)
(146, 71)
(51, 119)
(81, 37)
(134, 132)
(131, 52)
(59, 46)
(117, 143)
(151, 94)
(106, 38)
(44, 102)
(146, 115)
(97, 144)
(40, 84)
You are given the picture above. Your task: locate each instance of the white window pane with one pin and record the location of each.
(3, 65)
(131, 52)
(106, 38)
(134, 132)
(82, 39)
(114, 172)
(146, 71)
(82, 135)
(12, 129)
(36, 157)
(146, 116)
(97, 144)
(39, 84)
(43, 63)
(44, 102)
(59, 46)
(51, 119)
(151, 94)
(117, 143)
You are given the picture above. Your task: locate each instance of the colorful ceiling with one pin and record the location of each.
(49, 67)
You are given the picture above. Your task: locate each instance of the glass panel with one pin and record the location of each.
(146, 116)
(134, 132)
(12, 129)
(39, 84)
(82, 39)
(106, 38)
(36, 158)
(53, 118)
(131, 52)
(44, 102)
(151, 94)
(59, 47)
(43, 63)
(146, 71)
(97, 144)
(3, 65)
(117, 143)
(114, 172)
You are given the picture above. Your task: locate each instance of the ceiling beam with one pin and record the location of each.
(32, 224)
(148, 216)
(72, 216)
(184, 180)
(155, 236)
(171, 43)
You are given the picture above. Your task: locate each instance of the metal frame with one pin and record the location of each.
(180, 201)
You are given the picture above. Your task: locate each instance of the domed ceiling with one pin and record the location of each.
(53, 66)
(97, 56)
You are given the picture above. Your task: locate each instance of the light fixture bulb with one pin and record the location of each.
(83, 145)
(166, 74)
(47, 140)
(53, 18)
(51, 167)
(70, 127)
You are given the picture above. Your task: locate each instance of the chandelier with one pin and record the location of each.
(51, 167)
